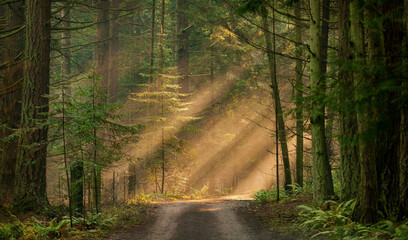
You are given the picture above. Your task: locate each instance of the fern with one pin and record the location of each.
(197, 194)
(338, 225)
(52, 231)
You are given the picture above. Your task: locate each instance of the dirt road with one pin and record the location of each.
(219, 219)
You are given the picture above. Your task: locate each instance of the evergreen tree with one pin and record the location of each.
(30, 182)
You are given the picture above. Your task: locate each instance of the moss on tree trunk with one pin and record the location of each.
(30, 182)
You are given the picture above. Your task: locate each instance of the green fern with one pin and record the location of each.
(337, 224)
(52, 231)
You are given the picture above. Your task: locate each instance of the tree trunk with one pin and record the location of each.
(403, 157)
(30, 182)
(182, 44)
(114, 52)
(102, 46)
(367, 114)
(322, 184)
(275, 89)
(152, 41)
(329, 126)
(10, 102)
(161, 66)
(299, 96)
(389, 105)
(76, 167)
(349, 165)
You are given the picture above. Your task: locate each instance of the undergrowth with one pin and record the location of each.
(270, 195)
(336, 223)
(89, 226)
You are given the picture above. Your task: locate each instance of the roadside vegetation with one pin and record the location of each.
(297, 213)
(55, 224)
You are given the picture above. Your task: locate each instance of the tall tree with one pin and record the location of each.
(183, 61)
(101, 58)
(161, 82)
(349, 165)
(404, 131)
(274, 85)
(389, 107)
(367, 204)
(10, 100)
(299, 94)
(102, 45)
(114, 52)
(324, 53)
(30, 182)
(322, 187)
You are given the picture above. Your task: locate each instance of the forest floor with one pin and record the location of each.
(234, 217)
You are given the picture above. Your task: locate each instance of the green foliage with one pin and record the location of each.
(401, 232)
(93, 221)
(53, 230)
(11, 230)
(250, 6)
(336, 223)
(267, 196)
(82, 117)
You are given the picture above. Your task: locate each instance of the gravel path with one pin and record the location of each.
(219, 219)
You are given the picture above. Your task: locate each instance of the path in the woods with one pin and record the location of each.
(219, 219)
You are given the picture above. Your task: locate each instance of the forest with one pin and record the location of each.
(114, 111)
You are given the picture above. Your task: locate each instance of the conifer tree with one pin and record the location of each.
(30, 182)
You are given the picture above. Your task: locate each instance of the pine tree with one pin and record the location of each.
(30, 182)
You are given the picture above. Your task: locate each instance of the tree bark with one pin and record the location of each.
(10, 102)
(102, 46)
(30, 182)
(403, 155)
(322, 184)
(183, 44)
(390, 109)
(276, 97)
(323, 65)
(299, 96)
(349, 164)
(114, 52)
(367, 207)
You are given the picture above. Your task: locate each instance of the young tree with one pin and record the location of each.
(274, 85)
(30, 182)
